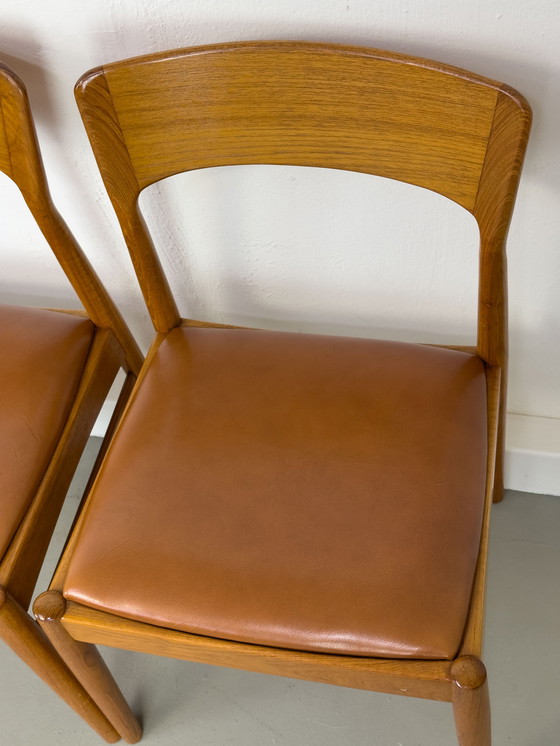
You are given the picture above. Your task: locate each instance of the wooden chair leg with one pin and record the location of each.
(498, 492)
(87, 665)
(23, 635)
(471, 702)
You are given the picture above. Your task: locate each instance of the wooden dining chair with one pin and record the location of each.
(56, 368)
(310, 506)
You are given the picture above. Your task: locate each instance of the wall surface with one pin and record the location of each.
(305, 249)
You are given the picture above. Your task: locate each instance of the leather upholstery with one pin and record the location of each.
(300, 491)
(42, 356)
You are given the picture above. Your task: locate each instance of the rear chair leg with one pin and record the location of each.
(87, 665)
(498, 493)
(22, 634)
(471, 702)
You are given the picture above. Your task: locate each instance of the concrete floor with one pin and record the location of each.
(184, 703)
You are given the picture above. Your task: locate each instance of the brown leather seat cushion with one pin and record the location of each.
(299, 491)
(42, 356)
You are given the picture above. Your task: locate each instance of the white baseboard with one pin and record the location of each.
(533, 454)
(532, 451)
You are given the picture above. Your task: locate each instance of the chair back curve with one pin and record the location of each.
(20, 159)
(308, 104)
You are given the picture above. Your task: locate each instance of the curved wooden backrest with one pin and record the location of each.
(304, 104)
(20, 159)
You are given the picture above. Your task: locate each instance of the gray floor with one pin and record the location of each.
(184, 703)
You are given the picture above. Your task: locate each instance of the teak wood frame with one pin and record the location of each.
(112, 347)
(454, 132)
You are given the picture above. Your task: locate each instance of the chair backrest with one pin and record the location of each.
(20, 159)
(306, 104)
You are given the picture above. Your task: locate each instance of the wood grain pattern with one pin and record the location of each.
(113, 347)
(5, 163)
(471, 702)
(112, 156)
(353, 109)
(493, 209)
(339, 107)
(427, 679)
(26, 639)
(23, 164)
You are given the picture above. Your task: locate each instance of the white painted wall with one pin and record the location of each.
(299, 248)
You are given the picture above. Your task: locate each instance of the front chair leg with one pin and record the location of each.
(22, 634)
(87, 665)
(471, 702)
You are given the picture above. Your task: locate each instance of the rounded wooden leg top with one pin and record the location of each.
(468, 672)
(49, 607)
(471, 702)
(28, 641)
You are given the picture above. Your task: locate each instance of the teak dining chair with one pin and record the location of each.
(310, 506)
(56, 368)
